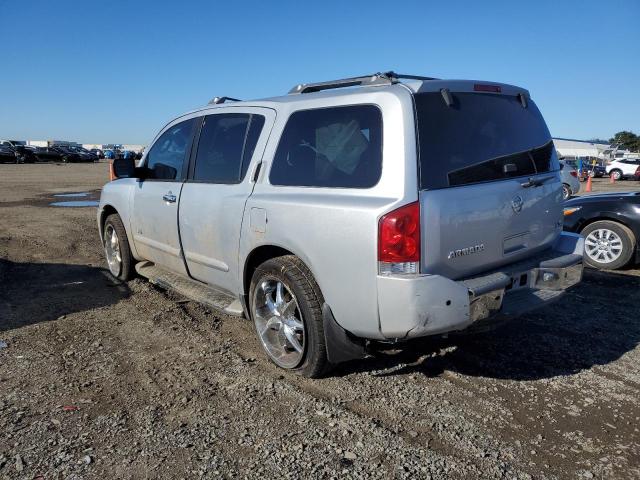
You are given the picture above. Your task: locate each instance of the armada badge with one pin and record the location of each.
(465, 251)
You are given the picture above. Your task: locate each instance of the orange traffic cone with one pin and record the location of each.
(612, 179)
(588, 189)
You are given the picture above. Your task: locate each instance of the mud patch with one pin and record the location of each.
(89, 199)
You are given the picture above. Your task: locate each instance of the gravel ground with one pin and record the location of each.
(100, 380)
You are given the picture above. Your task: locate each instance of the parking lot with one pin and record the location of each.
(106, 380)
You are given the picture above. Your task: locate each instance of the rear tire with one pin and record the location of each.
(117, 251)
(608, 245)
(289, 324)
(566, 191)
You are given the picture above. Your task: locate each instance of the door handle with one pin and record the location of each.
(169, 197)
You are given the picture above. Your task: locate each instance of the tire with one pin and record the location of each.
(566, 191)
(122, 269)
(615, 235)
(616, 174)
(592, 174)
(299, 336)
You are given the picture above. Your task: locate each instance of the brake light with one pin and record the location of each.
(399, 240)
(573, 173)
(483, 87)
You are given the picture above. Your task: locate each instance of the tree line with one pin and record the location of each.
(626, 140)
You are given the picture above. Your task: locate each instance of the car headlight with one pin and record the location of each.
(570, 210)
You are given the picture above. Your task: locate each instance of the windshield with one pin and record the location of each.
(480, 138)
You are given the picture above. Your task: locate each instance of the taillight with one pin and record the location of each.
(399, 240)
(573, 173)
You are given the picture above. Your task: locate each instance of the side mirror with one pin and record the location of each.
(122, 168)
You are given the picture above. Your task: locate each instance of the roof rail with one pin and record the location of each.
(217, 100)
(386, 78)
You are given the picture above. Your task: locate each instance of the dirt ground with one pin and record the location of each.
(100, 380)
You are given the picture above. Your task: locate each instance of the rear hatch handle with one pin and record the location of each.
(536, 182)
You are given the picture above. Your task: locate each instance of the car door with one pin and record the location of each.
(154, 221)
(229, 148)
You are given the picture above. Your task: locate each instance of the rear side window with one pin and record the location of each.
(330, 147)
(167, 155)
(480, 138)
(226, 144)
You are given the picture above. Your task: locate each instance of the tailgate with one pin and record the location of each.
(489, 177)
(467, 230)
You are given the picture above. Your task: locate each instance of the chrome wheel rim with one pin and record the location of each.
(566, 193)
(112, 250)
(279, 322)
(603, 245)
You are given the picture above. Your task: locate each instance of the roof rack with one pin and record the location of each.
(217, 100)
(386, 78)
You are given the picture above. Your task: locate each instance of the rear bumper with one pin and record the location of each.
(424, 305)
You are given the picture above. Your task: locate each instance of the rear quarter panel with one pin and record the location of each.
(335, 230)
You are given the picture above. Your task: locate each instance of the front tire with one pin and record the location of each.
(608, 245)
(116, 248)
(286, 308)
(616, 174)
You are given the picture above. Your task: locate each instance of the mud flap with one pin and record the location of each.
(341, 346)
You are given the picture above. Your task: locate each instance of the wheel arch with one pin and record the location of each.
(258, 256)
(341, 345)
(104, 213)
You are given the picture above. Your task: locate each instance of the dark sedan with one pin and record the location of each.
(596, 171)
(7, 155)
(97, 152)
(68, 155)
(48, 154)
(610, 223)
(85, 155)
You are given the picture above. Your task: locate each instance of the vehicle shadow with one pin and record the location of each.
(594, 324)
(39, 292)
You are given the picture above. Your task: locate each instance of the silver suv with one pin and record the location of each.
(368, 209)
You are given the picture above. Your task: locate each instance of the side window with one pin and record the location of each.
(227, 141)
(330, 147)
(167, 155)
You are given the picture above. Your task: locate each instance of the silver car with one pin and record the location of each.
(570, 180)
(368, 209)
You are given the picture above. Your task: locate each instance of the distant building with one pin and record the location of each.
(50, 143)
(572, 149)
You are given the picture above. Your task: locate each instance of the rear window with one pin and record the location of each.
(480, 138)
(330, 147)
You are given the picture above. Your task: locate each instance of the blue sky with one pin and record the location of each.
(116, 71)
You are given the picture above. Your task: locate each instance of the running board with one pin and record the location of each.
(192, 289)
